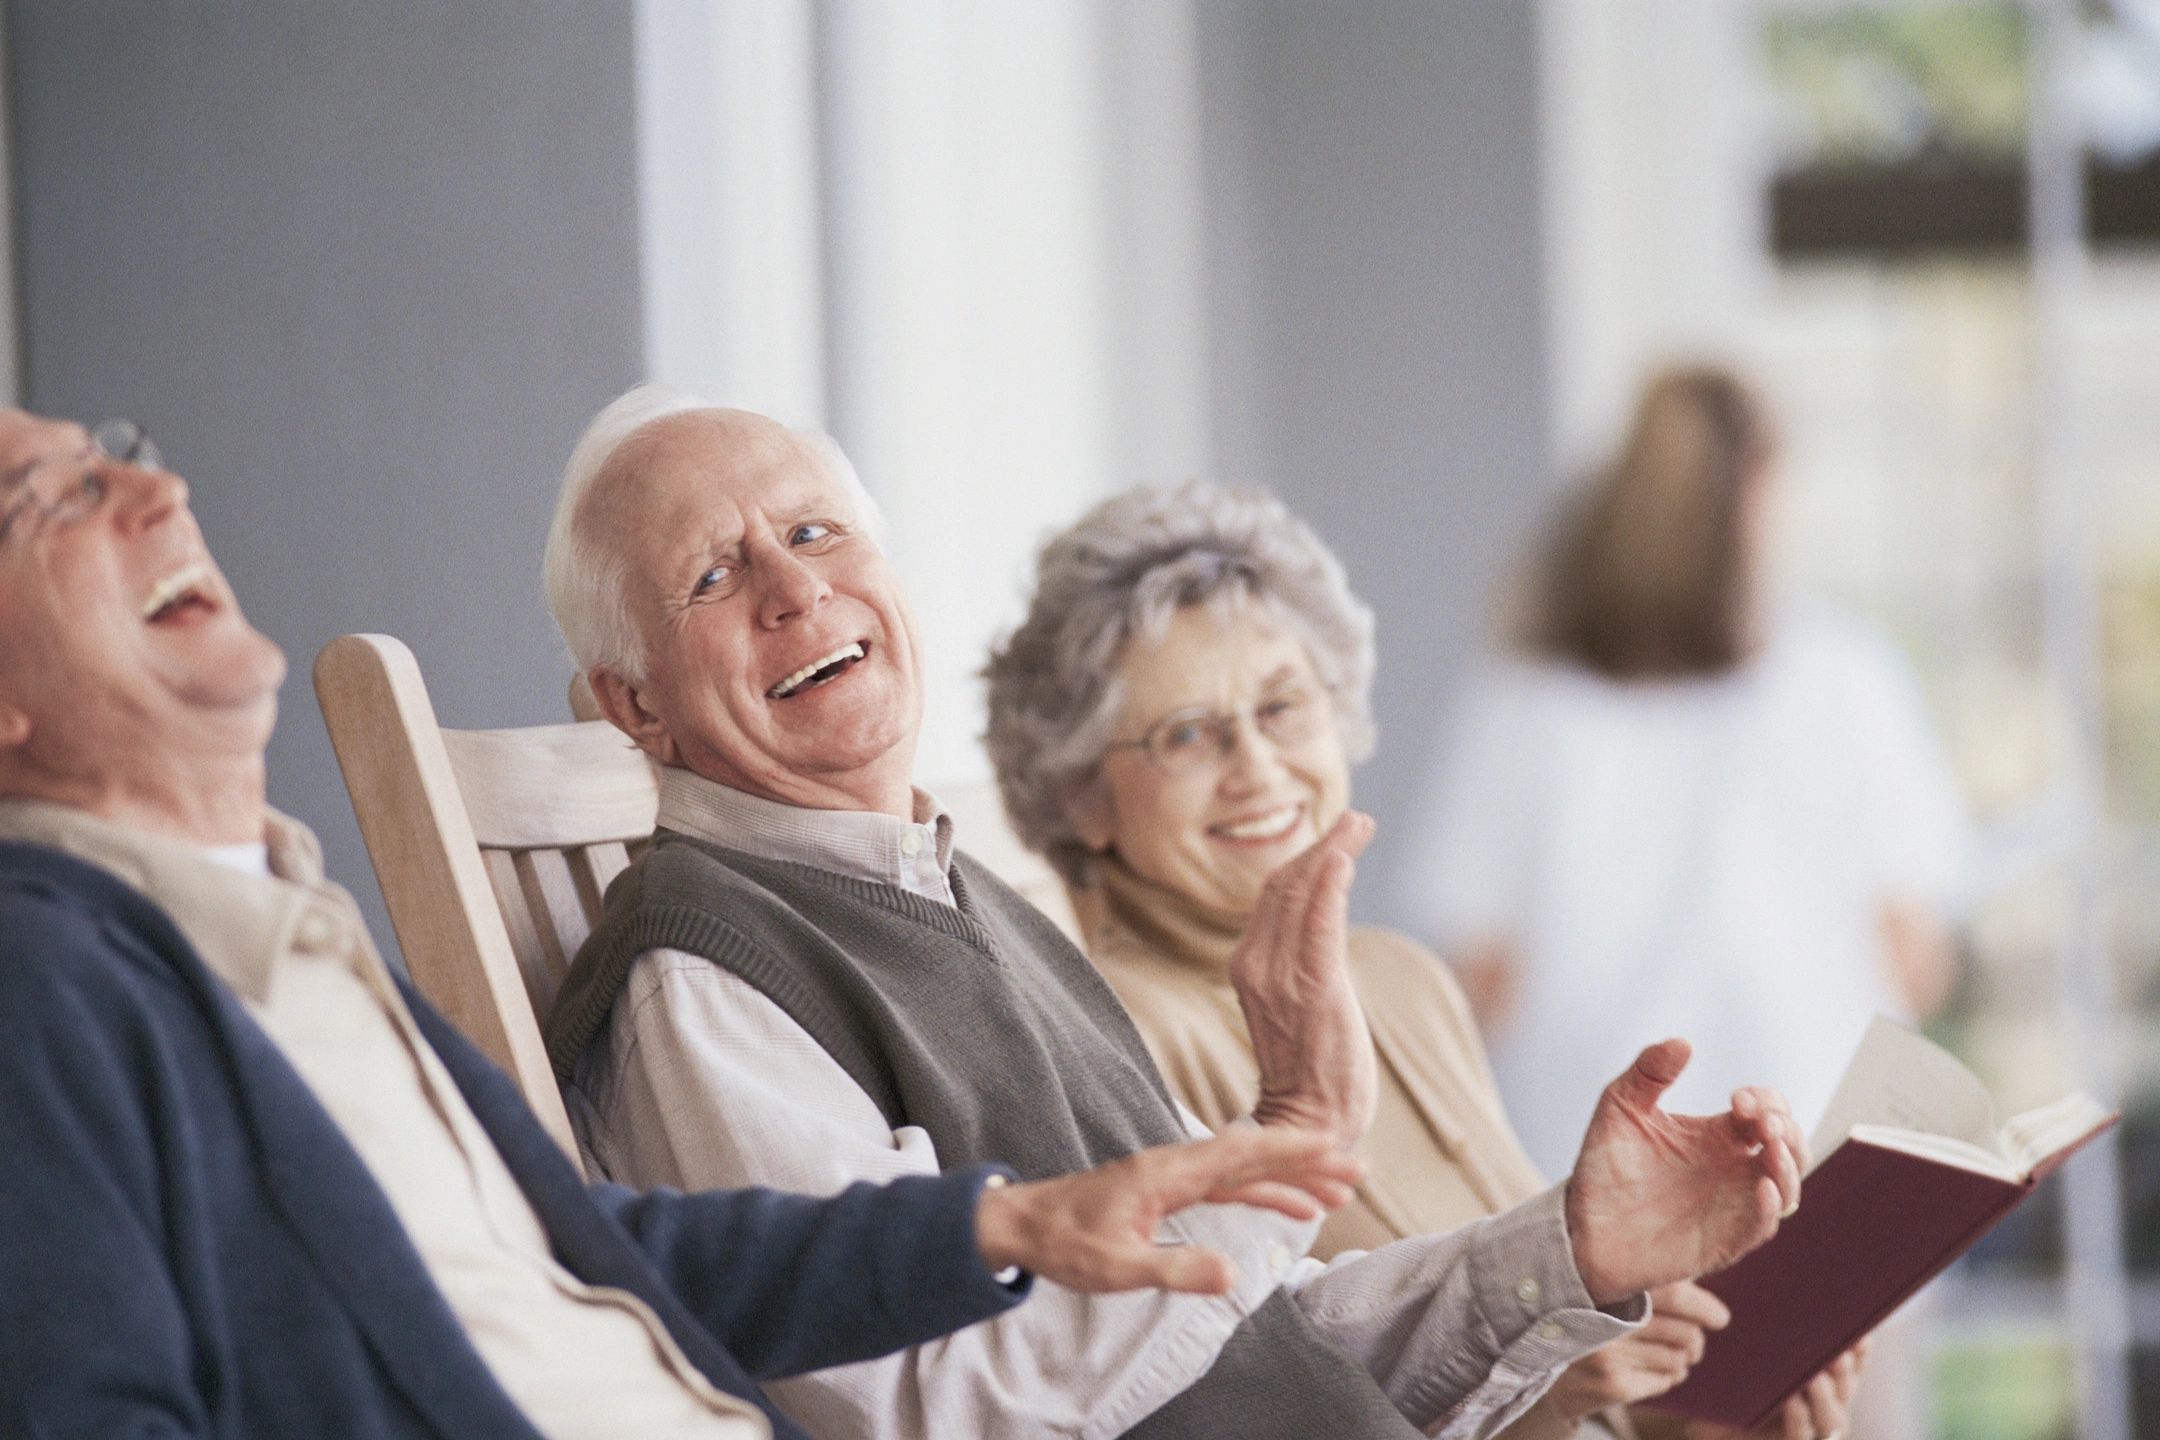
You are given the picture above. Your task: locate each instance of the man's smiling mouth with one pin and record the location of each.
(818, 672)
(184, 590)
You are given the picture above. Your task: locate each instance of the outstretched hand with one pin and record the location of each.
(1657, 1197)
(1291, 971)
(1095, 1231)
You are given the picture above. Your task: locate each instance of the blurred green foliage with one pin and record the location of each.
(2130, 647)
(2003, 1392)
(1899, 84)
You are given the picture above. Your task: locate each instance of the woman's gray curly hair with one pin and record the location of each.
(1123, 570)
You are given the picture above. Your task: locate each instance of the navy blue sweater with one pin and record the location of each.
(189, 1246)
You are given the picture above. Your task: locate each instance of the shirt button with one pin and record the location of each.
(315, 932)
(911, 844)
(1549, 1331)
(1527, 1291)
(1278, 1258)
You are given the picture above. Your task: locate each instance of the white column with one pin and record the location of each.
(1652, 198)
(1153, 205)
(1001, 355)
(728, 202)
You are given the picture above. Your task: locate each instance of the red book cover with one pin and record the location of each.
(1874, 1225)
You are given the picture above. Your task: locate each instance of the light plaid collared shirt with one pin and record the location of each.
(701, 1081)
(870, 846)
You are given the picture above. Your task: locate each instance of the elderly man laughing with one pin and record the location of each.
(255, 1187)
(803, 983)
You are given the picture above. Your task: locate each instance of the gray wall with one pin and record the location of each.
(1376, 321)
(363, 270)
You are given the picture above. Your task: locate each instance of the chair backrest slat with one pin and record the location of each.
(552, 787)
(551, 894)
(598, 866)
(493, 847)
(529, 937)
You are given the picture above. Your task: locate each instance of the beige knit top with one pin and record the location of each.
(1440, 1153)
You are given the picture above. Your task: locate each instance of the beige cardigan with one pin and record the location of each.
(1440, 1153)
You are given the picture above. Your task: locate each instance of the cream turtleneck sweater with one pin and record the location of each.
(1440, 1153)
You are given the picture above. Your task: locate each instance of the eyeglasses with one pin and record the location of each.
(1186, 742)
(121, 440)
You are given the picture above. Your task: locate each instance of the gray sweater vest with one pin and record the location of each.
(987, 1028)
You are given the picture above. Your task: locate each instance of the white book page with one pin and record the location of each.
(1956, 1154)
(2030, 1138)
(1904, 1081)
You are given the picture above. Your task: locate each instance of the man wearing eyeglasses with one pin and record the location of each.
(803, 983)
(253, 1185)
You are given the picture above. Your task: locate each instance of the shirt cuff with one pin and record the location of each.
(1011, 1276)
(1523, 1274)
(1535, 1309)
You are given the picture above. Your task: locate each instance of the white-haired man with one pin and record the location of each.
(256, 1187)
(802, 983)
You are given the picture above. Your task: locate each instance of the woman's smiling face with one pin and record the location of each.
(1240, 797)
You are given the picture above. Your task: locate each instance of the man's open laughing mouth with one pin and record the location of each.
(821, 671)
(185, 592)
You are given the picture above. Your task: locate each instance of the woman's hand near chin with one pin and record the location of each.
(1292, 976)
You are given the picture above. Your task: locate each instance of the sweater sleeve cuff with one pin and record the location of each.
(940, 1281)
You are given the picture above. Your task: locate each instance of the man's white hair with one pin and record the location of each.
(587, 580)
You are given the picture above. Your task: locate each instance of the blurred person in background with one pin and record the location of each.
(1174, 719)
(1683, 804)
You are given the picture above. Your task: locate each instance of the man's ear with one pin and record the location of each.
(624, 706)
(1093, 818)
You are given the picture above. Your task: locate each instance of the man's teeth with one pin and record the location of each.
(194, 575)
(1273, 824)
(794, 682)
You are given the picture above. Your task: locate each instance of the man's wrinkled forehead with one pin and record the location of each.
(682, 478)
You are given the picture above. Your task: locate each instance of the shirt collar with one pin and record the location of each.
(238, 923)
(914, 855)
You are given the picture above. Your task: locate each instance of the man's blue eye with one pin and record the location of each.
(710, 578)
(809, 532)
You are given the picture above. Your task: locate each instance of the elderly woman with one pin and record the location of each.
(1176, 717)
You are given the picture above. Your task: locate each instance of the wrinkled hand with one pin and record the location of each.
(1095, 1231)
(1292, 976)
(1648, 1362)
(1821, 1410)
(1657, 1197)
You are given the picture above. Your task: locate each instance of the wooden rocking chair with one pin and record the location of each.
(493, 847)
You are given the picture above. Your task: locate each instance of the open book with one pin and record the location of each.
(1911, 1168)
